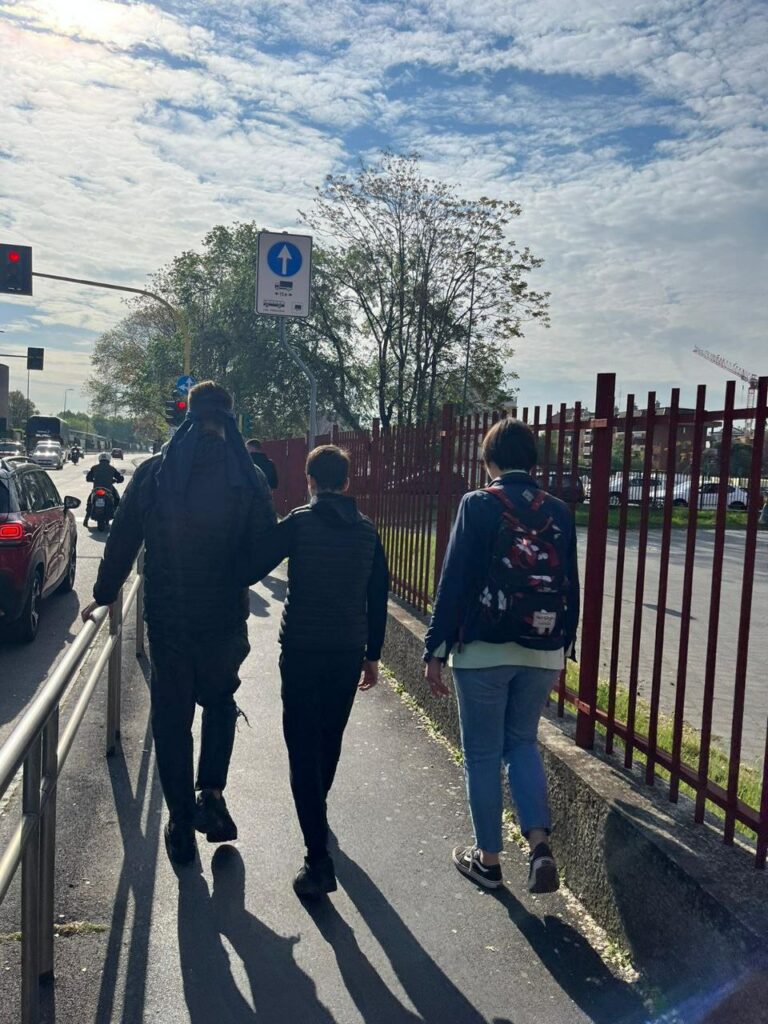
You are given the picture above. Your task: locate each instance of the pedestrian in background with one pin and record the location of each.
(505, 617)
(262, 460)
(332, 629)
(200, 509)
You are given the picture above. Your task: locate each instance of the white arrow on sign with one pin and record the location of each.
(285, 258)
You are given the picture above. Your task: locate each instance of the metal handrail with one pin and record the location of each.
(35, 745)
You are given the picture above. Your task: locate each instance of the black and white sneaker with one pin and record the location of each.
(467, 860)
(542, 872)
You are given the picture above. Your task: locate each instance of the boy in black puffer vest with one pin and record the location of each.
(332, 628)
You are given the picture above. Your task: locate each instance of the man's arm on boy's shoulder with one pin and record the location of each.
(271, 548)
(378, 595)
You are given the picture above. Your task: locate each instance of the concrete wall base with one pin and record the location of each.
(692, 912)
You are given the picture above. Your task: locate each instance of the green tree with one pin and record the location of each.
(19, 409)
(426, 274)
(136, 364)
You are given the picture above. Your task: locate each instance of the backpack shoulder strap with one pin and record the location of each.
(534, 504)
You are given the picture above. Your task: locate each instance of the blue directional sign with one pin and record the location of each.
(185, 384)
(284, 259)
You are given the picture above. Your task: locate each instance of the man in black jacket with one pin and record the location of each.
(103, 474)
(333, 626)
(262, 460)
(200, 509)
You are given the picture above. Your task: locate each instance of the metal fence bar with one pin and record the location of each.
(618, 590)
(714, 604)
(745, 615)
(642, 547)
(594, 576)
(685, 621)
(661, 603)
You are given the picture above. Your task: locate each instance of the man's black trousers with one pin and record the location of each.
(318, 691)
(187, 671)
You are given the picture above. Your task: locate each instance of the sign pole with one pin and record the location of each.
(307, 373)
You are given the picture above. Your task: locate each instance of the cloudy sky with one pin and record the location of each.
(632, 132)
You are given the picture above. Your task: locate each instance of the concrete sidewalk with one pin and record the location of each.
(406, 939)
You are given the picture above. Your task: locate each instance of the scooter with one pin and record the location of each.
(102, 507)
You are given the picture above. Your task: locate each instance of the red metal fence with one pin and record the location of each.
(671, 677)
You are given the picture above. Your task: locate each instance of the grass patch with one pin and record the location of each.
(65, 930)
(750, 786)
(705, 520)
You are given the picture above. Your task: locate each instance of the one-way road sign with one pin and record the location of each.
(284, 274)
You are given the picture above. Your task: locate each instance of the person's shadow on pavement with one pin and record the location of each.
(436, 998)
(280, 990)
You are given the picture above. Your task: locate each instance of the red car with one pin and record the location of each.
(38, 545)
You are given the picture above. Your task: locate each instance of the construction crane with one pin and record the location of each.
(738, 371)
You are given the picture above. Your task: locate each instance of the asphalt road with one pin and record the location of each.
(756, 704)
(25, 667)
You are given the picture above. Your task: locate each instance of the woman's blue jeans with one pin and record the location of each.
(499, 710)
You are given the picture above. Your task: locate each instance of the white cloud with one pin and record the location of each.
(133, 128)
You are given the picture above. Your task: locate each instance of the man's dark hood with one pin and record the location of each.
(336, 509)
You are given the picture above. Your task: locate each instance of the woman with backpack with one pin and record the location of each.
(505, 618)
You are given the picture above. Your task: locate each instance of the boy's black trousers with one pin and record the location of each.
(318, 691)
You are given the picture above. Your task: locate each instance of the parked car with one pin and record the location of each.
(117, 453)
(737, 498)
(12, 450)
(657, 487)
(49, 454)
(570, 489)
(38, 545)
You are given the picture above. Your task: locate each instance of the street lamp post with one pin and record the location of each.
(66, 392)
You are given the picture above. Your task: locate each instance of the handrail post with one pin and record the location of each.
(30, 888)
(114, 674)
(140, 607)
(50, 772)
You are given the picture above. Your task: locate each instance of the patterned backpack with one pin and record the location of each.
(525, 596)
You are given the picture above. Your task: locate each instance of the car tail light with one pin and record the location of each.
(100, 492)
(12, 531)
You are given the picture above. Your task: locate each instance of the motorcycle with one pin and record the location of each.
(75, 455)
(102, 507)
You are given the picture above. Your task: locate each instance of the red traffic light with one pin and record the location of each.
(181, 405)
(13, 256)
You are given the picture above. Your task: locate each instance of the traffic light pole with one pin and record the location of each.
(178, 316)
(308, 374)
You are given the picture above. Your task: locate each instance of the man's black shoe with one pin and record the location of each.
(314, 880)
(180, 843)
(214, 819)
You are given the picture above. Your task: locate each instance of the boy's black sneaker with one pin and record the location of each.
(467, 860)
(314, 880)
(180, 843)
(542, 872)
(214, 819)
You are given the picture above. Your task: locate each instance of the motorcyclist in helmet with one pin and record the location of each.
(103, 474)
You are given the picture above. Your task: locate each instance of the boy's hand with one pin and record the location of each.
(87, 613)
(434, 676)
(370, 676)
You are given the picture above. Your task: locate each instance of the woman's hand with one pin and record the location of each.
(434, 676)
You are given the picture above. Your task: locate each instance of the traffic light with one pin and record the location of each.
(175, 410)
(35, 358)
(15, 269)
(246, 423)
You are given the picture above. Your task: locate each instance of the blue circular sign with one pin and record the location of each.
(284, 259)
